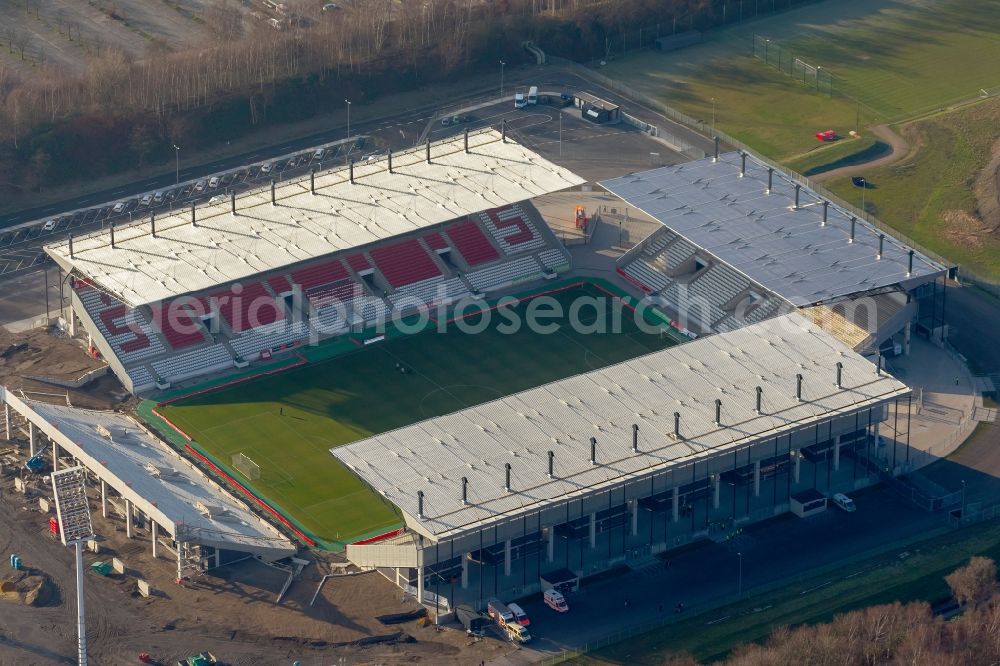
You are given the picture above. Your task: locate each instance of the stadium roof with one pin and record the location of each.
(786, 250)
(184, 258)
(147, 472)
(434, 455)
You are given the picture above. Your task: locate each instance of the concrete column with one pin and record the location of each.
(218, 559)
(877, 428)
(420, 585)
(6, 418)
(506, 557)
(756, 479)
(465, 571)
(676, 511)
(156, 534)
(635, 517)
(55, 457)
(180, 560)
(798, 465)
(128, 519)
(836, 453)
(551, 546)
(593, 530)
(32, 438)
(906, 339)
(715, 491)
(104, 499)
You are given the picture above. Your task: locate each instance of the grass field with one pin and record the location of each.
(287, 423)
(897, 57)
(929, 197)
(845, 152)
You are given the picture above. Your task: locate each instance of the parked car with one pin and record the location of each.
(158, 197)
(266, 167)
(845, 502)
(213, 181)
(145, 200)
(119, 207)
(49, 226)
(827, 135)
(199, 186)
(318, 155)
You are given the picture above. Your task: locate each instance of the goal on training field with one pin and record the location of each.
(246, 467)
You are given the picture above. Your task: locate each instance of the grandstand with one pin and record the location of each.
(741, 242)
(623, 462)
(171, 299)
(582, 473)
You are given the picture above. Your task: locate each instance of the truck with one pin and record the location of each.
(519, 101)
(475, 624)
(533, 95)
(498, 610)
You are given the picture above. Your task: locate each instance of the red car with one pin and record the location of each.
(828, 135)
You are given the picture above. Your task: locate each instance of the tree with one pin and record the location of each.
(974, 583)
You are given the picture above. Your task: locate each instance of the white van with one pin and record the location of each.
(555, 600)
(519, 615)
(845, 502)
(519, 101)
(533, 95)
(499, 612)
(517, 633)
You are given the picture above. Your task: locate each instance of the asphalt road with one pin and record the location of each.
(703, 577)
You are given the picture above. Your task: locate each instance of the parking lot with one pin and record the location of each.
(21, 248)
(560, 134)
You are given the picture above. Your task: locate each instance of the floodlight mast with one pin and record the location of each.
(75, 528)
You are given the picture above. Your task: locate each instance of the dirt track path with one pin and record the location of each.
(899, 150)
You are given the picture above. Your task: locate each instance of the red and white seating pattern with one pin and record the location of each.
(127, 332)
(474, 247)
(404, 263)
(178, 323)
(512, 229)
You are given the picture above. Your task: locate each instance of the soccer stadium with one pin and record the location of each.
(339, 352)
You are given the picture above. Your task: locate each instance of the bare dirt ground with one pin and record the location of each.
(39, 353)
(230, 612)
(987, 191)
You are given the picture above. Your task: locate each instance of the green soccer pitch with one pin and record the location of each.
(287, 422)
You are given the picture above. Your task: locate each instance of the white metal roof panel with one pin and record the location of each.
(761, 234)
(163, 484)
(184, 258)
(434, 455)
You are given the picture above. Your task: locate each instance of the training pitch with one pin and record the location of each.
(286, 423)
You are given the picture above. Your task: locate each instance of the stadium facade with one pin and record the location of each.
(774, 404)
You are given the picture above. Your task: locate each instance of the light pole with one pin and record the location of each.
(177, 163)
(348, 118)
(560, 134)
(739, 585)
(713, 115)
(502, 63)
